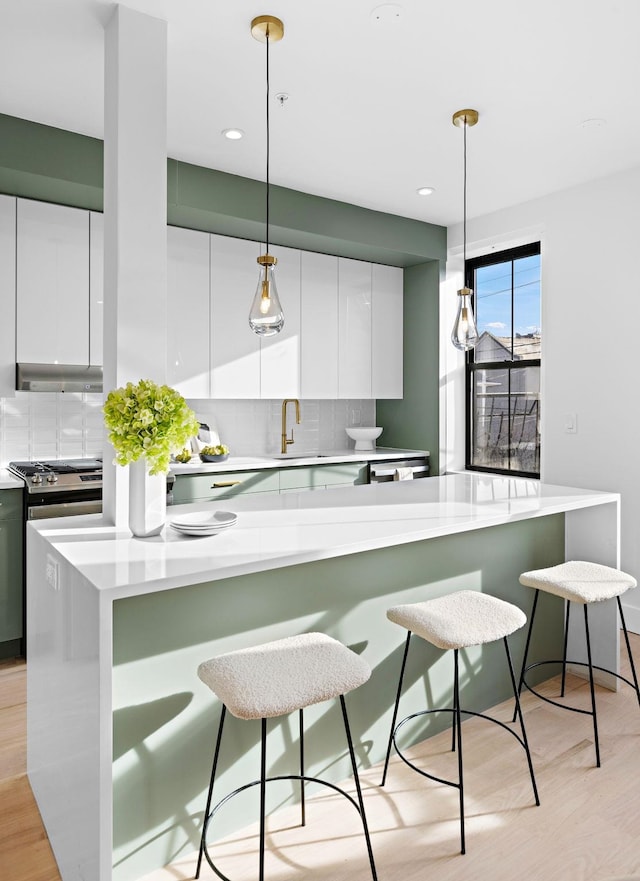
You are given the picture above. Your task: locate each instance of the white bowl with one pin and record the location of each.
(364, 437)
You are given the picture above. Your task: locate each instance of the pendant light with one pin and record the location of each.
(266, 317)
(465, 333)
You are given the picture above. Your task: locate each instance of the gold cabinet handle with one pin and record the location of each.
(225, 483)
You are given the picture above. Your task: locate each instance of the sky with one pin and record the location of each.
(493, 297)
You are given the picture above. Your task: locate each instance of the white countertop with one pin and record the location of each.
(9, 480)
(283, 530)
(295, 459)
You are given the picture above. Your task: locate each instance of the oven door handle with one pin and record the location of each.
(64, 509)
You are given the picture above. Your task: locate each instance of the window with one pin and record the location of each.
(503, 370)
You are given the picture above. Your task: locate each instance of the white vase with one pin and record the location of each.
(147, 500)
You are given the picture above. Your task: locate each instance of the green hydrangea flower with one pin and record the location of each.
(148, 420)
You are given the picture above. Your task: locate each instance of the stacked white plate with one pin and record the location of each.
(204, 522)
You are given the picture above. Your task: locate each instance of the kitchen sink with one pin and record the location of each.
(285, 456)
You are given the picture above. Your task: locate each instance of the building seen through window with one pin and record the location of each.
(503, 371)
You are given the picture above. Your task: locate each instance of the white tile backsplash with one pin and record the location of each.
(42, 425)
(254, 427)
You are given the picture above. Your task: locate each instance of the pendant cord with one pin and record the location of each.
(464, 200)
(267, 236)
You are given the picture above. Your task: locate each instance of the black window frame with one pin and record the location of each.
(472, 264)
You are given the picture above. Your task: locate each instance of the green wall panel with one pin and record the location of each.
(41, 162)
(413, 422)
(165, 718)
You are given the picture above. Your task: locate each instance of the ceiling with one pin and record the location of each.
(372, 88)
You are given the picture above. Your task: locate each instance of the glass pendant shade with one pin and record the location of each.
(266, 317)
(465, 333)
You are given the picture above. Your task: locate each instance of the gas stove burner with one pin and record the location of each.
(61, 475)
(57, 466)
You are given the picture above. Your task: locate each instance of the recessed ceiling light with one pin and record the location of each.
(425, 191)
(234, 134)
(386, 14)
(594, 123)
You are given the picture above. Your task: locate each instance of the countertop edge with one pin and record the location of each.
(330, 457)
(310, 528)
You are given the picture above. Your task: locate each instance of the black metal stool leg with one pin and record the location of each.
(591, 686)
(626, 639)
(525, 742)
(263, 795)
(395, 709)
(456, 698)
(454, 726)
(216, 753)
(303, 808)
(356, 778)
(526, 649)
(564, 650)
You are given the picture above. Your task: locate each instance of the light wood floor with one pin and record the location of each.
(586, 829)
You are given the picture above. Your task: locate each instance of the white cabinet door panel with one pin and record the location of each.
(354, 328)
(280, 354)
(319, 326)
(96, 288)
(235, 349)
(188, 318)
(387, 332)
(52, 283)
(7, 296)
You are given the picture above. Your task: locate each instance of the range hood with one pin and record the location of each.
(58, 378)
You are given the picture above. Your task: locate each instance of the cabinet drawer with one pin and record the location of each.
(321, 476)
(11, 504)
(301, 478)
(223, 485)
(343, 473)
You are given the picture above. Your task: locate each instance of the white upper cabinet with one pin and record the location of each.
(96, 287)
(235, 349)
(188, 312)
(354, 328)
(52, 284)
(280, 354)
(7, 296)
(319, 326)
(387, 332)
(342, 336)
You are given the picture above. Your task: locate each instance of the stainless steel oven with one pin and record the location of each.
(60, 488)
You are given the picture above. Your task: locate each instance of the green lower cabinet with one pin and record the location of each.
(11, 571)
(225, 484)
(322, 476)
(212, 486)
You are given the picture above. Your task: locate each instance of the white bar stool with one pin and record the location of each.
(460, 620)
(582, 583)
(275, 679)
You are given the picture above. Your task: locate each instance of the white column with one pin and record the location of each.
(135, 216)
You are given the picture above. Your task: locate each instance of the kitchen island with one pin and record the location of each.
(120, 729)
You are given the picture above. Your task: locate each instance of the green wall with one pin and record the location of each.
(412, 422)
(41, 162)
(165, 719)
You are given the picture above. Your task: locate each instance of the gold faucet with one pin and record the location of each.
(288, 440)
